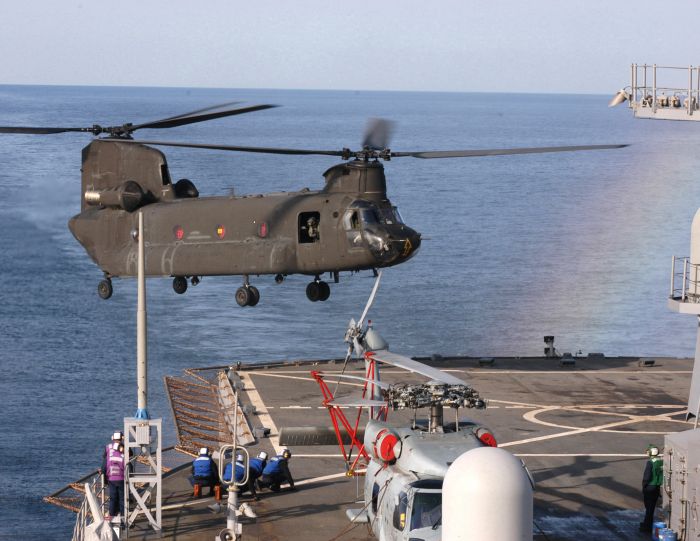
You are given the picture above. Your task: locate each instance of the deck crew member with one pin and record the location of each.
(253, 469)
(277, 472)
(113, 469)
(204, 472)
(651, 486)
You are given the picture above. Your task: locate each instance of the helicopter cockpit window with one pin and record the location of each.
(399, 518)
(427, 510)
(390, 215)
(308, 227)
(368, 216)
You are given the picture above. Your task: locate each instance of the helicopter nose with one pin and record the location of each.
(411, 245)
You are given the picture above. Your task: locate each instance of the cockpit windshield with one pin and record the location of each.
(366, 213)
(390, 215)
(427, 510)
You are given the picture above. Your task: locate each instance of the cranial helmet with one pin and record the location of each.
(286, 453)
(203, 451)
(239, 457)
(262, 455)
(652, 450)
(117, 436)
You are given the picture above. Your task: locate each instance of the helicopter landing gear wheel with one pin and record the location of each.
(313, 291)
(318, 290)
(247, 295)
(254, 296)
(180, 284)
(325, 291)
(104, 289)
(243, 296)
(195, 280)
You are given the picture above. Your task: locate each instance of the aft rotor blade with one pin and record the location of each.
(406, 363)
(232, 148)
(202, 115)
(41, 131)
(498, 151)
(377, 134)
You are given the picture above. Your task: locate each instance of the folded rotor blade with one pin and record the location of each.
(498, 151)
(356, 402)
(202, 115)
(405, 363)
(375, 382)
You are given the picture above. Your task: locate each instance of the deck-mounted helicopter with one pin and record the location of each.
(404, 466)
(348, 225)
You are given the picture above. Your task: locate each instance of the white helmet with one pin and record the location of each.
(239, 457)
(262, 455)
(652, 450)
(203, 451)
(117, 436)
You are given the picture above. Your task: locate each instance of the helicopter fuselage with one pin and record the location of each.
(349, 225)
(404, 496)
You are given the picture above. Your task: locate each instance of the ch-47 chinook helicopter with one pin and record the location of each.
(404, 466)
(348, 225)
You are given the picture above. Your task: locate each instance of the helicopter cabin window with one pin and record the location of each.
(427, 510)
(399, 519)
(351, 220)
(308, 227)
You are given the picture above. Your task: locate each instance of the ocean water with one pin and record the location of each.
(576, 245)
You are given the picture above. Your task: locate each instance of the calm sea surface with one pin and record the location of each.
(576, 245)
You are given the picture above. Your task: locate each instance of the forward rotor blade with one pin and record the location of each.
(498, 151)
(370, 301)
(232, 148)
(41, 131)
(199, 111)
(202, 115)
(414, 366)
(377, 134)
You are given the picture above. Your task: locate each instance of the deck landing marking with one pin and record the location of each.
(598, 428)
(264, 416)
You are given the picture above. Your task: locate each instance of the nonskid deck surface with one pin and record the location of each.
(581, 431)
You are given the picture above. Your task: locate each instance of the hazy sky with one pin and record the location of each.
(581, 46)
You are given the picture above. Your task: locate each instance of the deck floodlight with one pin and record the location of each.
(620, 97)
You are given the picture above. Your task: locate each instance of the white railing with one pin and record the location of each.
(685, 280)
(84, 513)
(647, 91)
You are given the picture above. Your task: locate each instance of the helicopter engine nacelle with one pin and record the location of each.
(127, 196)
(382, 440)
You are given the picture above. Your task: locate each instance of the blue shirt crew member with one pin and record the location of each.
(277, 472)
(204, 471)
(255, 467)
